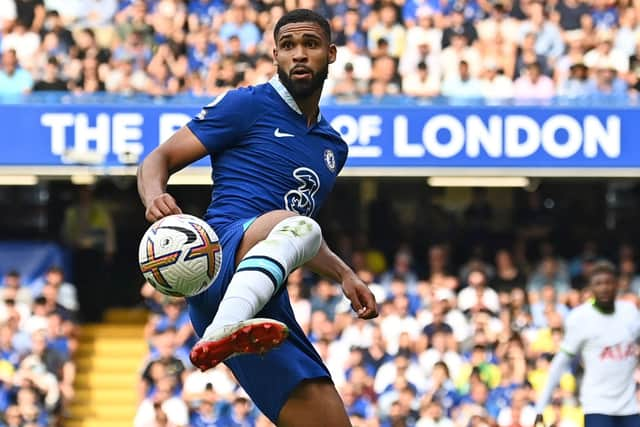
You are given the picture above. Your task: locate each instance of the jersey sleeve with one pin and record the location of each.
(635, 322)
(343, 153)
(573, 338)
(222, 123)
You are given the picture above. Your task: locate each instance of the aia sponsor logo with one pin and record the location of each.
(619, 352)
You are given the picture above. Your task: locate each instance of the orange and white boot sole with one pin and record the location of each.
(253, 336)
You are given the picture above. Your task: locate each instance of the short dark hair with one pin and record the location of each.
(603, 266)
(56, 270)
(303, 15)
(13, 273)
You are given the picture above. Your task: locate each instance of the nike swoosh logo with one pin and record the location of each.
(191, 236)
(279, 134)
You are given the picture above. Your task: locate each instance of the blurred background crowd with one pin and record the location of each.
(470, 318)
(464, 345)
(38, 338)
(472, 49)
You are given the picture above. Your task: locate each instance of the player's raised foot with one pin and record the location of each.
(253, 336)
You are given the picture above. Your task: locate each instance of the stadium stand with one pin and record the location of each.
(496, 50)
(457, 344)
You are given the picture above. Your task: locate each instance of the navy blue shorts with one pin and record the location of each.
(600, 420)
(268, 379)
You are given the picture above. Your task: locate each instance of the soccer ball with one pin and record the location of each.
(180, 255)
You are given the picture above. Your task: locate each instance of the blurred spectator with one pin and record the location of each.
(238, 23)
(526, 54)
(533, 85)
(626, 37)
(33, 373)
(385, 78)
(459, 51)
(438, 274)
(90, 78)
(66, 292)
(549, 273)
(349, 87)
(548, 41)
(8, 15)
(89, 232)
(401, 270)
(240, 414)
(86, 46)
(398, 320)
(204, 14)
(51, 80)
(571, 12)
(477, 296)
(12, 287)
(31, 13)
(508, 275)
(577, 85)
(98, 14)
(390, 30)
(24, 41)
(162, 363)
(300, 304)
(325, 297)
(424, 43)
(53, 24)
(458, 26)
(604, 53)
(605, 14)
(548, 302)
(163, 407)
(352, 53)
(495, 85)
(462, 85)
(421, 84)
(605, 85)
(14, 80)
(206, 412)
(432, 415)
(134, 18)
(519, 413)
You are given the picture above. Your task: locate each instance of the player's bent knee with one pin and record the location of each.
(305, 234)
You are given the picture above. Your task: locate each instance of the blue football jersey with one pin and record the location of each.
(264, 156)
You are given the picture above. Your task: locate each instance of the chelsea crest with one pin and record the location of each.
(330, 160)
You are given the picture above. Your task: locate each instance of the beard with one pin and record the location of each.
(303, 89)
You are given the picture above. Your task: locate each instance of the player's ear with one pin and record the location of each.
(333, 51)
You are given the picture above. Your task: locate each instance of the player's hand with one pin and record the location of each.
(362, 300)
(539, 422)
(161, 206)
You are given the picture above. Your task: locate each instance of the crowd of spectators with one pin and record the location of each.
(38, 337)
(465, 345)
(462, 49)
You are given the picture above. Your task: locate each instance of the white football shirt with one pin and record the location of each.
(608, 345)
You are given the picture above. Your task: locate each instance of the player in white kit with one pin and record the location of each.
(604, 331)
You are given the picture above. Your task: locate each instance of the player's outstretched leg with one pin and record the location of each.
(290, 243)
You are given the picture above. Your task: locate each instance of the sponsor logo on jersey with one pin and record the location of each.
(302, 199)
(619, 352)
(279, 134)
(330, 160)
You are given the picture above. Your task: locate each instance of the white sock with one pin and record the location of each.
(291, 243)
